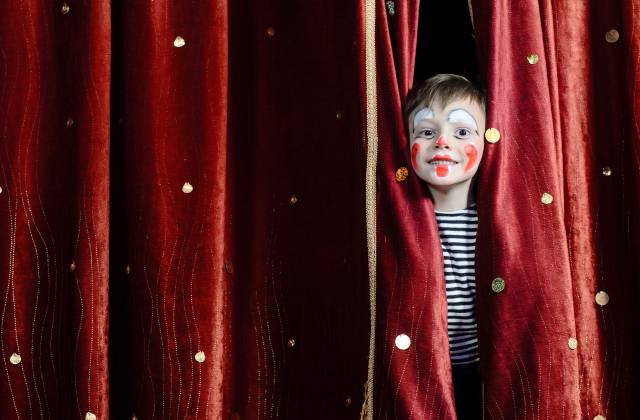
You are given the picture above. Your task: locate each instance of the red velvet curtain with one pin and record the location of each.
(178, 197)
(54, 208)
(182, 225)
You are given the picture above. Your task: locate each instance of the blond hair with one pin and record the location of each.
(444, 89)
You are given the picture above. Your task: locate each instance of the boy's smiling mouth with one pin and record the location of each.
(442, 160)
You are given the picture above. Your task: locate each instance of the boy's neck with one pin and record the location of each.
(453, 197)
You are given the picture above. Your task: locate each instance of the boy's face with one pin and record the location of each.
(446, 143)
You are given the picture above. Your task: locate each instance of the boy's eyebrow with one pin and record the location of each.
(462, 115)
(423, 114)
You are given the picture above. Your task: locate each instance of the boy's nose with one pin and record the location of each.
(442, 142)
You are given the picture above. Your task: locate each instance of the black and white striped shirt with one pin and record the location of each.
(458, 240)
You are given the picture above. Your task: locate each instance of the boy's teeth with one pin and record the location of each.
(442, 162)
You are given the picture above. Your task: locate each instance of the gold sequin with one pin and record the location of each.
(347, 401)
(179, 42)
(271, 31)
(293, 200)
(606, 171)
(228, 267)
(602, 298)
(402, 173)
(65, 8)
(572, 343)
(199, 357)
(291, 342)
(498, 284)
(532, 58)
(187, 188)
(599, 417)
(338, 116)
(127, 269)
(612, 36)
(403, 342)
(546, 198)
(391, 8)
(15, 358)
(492, 135)
(90, 416)
(72, 267)
(70, 122)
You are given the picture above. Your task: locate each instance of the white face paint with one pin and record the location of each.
(423, 114)
(446, 143)
(462, 116)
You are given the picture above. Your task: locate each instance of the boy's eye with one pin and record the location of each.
(427, 133)
(462, 133)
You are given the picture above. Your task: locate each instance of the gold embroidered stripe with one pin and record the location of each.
(370, 182)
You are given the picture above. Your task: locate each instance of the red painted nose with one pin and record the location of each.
(441, 141)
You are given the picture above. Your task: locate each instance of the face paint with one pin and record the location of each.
(442, 170)
(472, 155)
(423, 114)
(462, 116)
(415, 149)
(441, 141)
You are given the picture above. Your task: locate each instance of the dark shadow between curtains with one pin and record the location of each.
(446, 41)
(120, 319)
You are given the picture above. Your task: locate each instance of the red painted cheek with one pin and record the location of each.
(442, 170)
(415, 149)
(472, 154)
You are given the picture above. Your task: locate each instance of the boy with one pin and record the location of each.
(446, 122)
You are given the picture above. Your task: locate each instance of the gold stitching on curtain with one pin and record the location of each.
(370, 183)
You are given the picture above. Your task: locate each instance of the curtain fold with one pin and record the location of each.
(414, 383)
(173, 154)
(565, 136)
(54, 209)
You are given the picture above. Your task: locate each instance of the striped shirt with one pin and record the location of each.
(458, 240)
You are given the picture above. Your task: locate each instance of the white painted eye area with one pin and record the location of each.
(423, 114)
(426, 133)
(462, 133)
(461, 116)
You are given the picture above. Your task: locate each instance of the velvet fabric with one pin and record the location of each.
(182, 225)
(239, 268)
(209, 185)
(54, 209)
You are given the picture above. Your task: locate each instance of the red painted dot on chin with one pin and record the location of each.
(442, 170)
